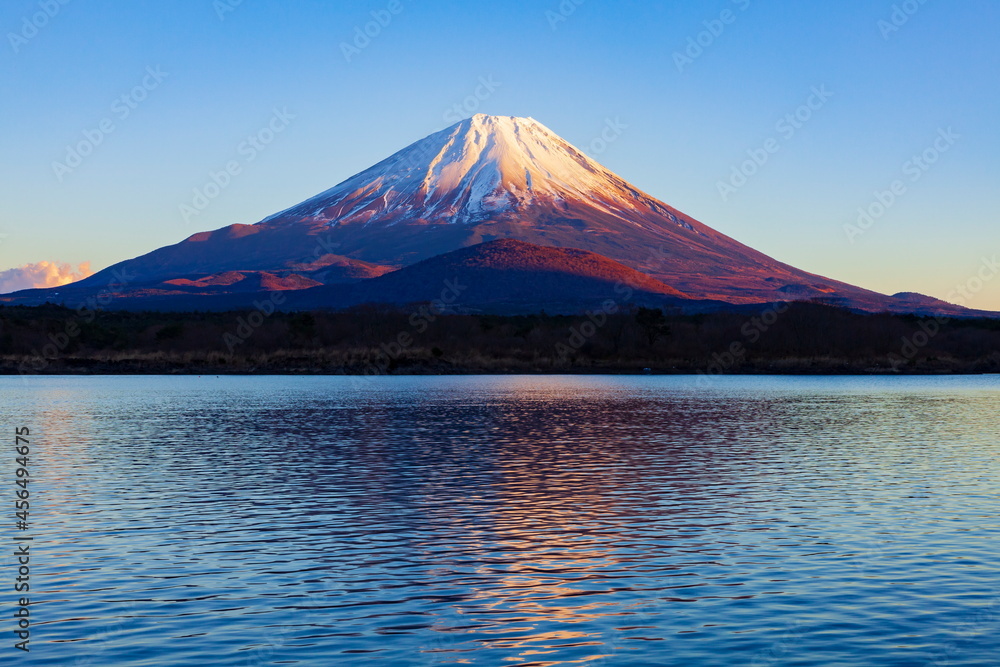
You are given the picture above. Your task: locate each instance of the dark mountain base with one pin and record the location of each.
(805, 338)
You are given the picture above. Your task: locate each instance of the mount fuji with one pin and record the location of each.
(483, 179)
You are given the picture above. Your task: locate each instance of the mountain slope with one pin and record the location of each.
(503, 276)
(487, 178)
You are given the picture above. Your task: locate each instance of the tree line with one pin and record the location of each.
(785, 338)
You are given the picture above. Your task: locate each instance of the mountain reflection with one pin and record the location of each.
(514, 520)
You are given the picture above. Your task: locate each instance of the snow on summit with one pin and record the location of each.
(478, 168)
(484, 179)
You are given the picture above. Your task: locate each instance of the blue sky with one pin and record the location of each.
(896, 76)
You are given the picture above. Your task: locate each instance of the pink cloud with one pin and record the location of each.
(42, 274)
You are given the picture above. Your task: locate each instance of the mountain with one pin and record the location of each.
(502, 276)
(485, 178)
(506, 276)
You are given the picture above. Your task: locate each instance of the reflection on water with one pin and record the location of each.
(513, 520)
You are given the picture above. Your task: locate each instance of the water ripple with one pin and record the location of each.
(513, 520)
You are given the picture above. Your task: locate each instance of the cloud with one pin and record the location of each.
(42, 274)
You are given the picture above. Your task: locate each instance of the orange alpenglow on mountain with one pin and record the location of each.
(483, 179)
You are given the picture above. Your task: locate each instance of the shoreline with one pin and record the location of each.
(805, 339)
(125, 368)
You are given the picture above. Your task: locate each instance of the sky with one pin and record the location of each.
(857, 139)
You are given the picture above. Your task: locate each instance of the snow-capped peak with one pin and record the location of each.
(479, 168)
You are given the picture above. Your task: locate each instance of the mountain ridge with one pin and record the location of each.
(482, 179)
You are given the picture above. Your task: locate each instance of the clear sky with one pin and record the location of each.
(201, 76)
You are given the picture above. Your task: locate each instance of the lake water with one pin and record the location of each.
(508, 520)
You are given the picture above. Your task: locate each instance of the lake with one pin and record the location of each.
(508, 520)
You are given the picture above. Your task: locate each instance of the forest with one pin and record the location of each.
(373, 340)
